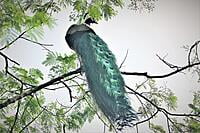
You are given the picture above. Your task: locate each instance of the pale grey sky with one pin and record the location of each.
(172, 24)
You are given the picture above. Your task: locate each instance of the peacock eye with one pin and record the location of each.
(99, 44)
(107, 56)
(101, 49)
(104, 66)
(107, 62)
(109, 53)
(114, 77)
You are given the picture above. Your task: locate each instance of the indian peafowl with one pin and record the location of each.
(103, 76)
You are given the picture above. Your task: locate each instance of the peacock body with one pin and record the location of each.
(103, 76)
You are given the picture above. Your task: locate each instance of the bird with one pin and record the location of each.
(104, 79)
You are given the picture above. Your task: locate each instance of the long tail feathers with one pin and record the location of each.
(104, 79)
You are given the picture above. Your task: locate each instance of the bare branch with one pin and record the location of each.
(190, 50)
(167, 63)
(124, 60)
(178, 69)
(6, 58)
(180, 114)
(70, 91)
(41, 44)
(64, 128)
(145, 74)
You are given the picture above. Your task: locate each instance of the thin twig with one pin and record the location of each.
(31, 121)
(6, 57)
(104, 128)
(41, 44)
(142, 104)
(190, 50)
(64, 128)
(16, 117)
(6, 46)
(78, 101)
(137, 130)
(123, 60)
(167, 63)
(180, 114)
(168, 125)
(17, 112)
(138, 86)
(180, 130)
(69, 89)
(44, 108)
(25, 107)
(145, 120)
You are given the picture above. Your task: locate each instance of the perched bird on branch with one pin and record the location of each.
(103, 76)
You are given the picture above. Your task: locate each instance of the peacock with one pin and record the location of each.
(103, 76)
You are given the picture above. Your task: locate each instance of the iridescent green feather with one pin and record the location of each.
(103, 76)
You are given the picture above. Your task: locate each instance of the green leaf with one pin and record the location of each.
(32, 76)
(80, 5)
(108, 11)
(36, 73)
(95, 12)
(60, 64)
(172, 101)
(51, 59)
(157, 128)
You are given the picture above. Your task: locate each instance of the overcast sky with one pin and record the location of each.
(172, 24)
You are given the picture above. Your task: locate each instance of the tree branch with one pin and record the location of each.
(41, 44)
(69, 89)
(123, 60)
(145, 74)
(20, 35)
(159, 109)
(31, 121)
(190, 50)
(153, 115)
(17, 112)
(167, 63)
(6, 58)
(35, 89)
(16, 117)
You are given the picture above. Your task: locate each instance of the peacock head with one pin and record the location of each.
(77, 28)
